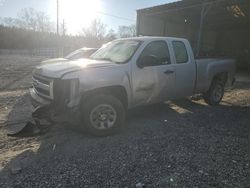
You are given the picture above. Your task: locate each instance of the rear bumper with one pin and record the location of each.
(36, 100)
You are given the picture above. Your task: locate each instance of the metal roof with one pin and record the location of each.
(220, 13)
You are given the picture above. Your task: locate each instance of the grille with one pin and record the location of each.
(42, 79)
(43, 86)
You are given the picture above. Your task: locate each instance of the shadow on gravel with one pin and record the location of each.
(180, 143)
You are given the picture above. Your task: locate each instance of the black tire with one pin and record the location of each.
(98, 106)
(215, 93)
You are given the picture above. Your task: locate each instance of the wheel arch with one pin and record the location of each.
(220, 76)
(117, 91)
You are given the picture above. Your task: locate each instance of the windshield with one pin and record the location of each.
(117, 51)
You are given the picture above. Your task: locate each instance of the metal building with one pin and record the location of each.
(214, 27)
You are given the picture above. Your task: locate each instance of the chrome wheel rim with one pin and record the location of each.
(103, 117)
(217, 93)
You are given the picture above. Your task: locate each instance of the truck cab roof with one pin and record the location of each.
(149, 38)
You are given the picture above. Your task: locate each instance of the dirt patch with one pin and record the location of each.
(16, 70)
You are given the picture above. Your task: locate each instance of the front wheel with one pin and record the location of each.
(103, 115)
(215, 93)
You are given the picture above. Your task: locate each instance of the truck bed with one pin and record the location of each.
(208, 67)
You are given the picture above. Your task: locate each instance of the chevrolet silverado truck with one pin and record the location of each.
(127, 73)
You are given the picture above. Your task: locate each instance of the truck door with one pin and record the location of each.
(155, 80)
(185, 68)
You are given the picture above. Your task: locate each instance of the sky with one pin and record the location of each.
(79, 13)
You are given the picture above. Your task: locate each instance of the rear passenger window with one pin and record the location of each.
(180, 51)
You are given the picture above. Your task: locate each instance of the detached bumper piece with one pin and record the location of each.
(38, 124)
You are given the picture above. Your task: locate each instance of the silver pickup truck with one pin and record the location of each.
(126, 73)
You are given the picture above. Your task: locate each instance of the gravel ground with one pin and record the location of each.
(177, 144)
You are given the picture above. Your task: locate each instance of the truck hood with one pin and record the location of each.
(57, 70)
(54, 60)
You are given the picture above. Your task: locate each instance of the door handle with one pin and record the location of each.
(168, 72)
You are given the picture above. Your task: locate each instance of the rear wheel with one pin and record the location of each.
(103, 115)
(215, 93)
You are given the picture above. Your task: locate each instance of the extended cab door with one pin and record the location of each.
(185, 68)
(155, 81)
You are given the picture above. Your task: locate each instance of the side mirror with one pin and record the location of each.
(149, 60)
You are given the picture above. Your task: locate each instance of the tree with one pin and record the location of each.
(94, 34)
(34, 20)
(31, 19)
(110, 36)
(10, 22)
(127, 31)
(96, 30)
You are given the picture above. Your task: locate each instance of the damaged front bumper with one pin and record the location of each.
(60, 97)
(36, 100)
(56, 108)
(48, 111)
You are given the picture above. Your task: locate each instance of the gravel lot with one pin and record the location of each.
(177, 144)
